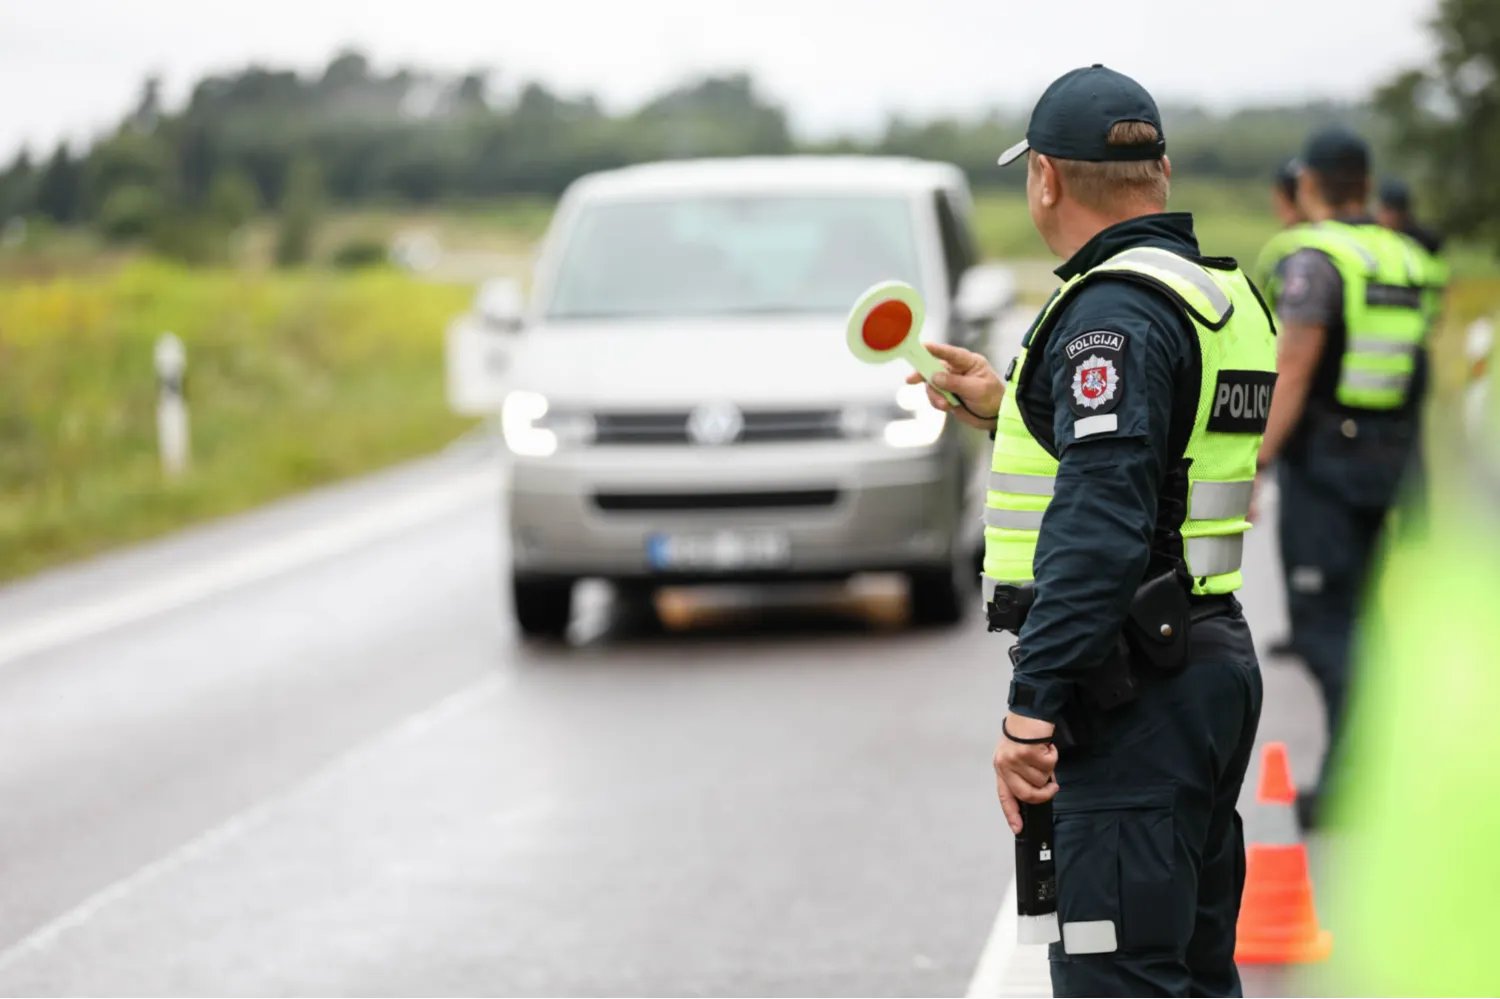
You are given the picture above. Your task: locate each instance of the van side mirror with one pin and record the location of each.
(984, 292)
(499, 305)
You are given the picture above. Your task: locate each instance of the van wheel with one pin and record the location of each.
(938, 597)
(543, 605)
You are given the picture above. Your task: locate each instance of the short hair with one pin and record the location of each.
(1105, 185)
(1344, 187)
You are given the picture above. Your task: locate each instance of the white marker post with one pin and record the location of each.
(886, 324)
(1478, 343)
(171, 406)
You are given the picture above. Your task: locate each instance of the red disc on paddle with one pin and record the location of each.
(887, 325)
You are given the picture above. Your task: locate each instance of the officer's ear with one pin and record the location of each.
(1048, 182)
(1166, 166)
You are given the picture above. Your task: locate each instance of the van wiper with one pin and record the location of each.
(784, 310)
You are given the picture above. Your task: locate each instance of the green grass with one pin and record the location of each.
(293, 380)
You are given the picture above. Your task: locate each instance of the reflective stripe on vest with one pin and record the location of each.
(1206, 501)
(1191, 281)
(1026, 485)
(1222, 470)
(1204, 556)
(1220, 500)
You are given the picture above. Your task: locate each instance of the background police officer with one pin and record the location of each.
(1289, 214)
(1284, 195)
(1108, 486)
(1343, 428)
(1395, 211)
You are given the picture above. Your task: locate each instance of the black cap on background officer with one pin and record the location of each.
(1394, 200)
(1098, 427)
(1334, 180)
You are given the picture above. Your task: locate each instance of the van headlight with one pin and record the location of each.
(910, 421)
(533, 429)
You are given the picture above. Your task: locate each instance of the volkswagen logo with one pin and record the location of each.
(716, 423)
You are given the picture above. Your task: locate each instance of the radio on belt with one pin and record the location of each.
(1036, 877)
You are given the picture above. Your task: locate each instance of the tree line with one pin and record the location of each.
(264, 139)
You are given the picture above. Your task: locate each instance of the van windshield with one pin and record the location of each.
(732, 255)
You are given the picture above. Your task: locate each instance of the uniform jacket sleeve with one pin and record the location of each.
(1096, 535)
(1311, 289)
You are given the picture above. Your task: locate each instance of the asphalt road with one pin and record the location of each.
(416, 804)
(302, 752)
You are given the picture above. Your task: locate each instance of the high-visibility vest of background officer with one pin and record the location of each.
(1418, 799)
(1220, 478)
(1388, 306)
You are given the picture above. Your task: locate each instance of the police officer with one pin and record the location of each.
(1289, 214)
(1343, 428)
(1125, 433)
(1284, 195)
(1394, 211)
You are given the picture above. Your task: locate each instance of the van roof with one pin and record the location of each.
(867, 174)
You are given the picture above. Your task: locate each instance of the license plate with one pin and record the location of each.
(720, 550)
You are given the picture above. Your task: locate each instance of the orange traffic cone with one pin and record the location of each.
(1278, 923)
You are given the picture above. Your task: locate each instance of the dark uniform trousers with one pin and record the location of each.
(1146, 832)
(1336, 494)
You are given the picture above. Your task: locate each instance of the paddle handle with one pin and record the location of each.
(926, 364)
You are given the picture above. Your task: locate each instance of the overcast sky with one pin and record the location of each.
(71, 67)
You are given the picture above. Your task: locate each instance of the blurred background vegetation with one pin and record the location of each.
(257, 222)
(267, 144)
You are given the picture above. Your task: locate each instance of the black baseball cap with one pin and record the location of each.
(1336, 150)
(1395, 194)
(1073, 117)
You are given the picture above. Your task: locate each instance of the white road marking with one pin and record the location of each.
(261, 561)
(1007, 968)
(412, 726)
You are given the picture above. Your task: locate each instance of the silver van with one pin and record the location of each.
(681, 405)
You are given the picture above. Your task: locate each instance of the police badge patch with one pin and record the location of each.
(1097, 361)
(1296, 286)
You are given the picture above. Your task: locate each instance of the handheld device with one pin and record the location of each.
(1036, 877)
(885, 324)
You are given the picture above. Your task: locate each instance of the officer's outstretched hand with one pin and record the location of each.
(970, 377)
(1023, 771)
